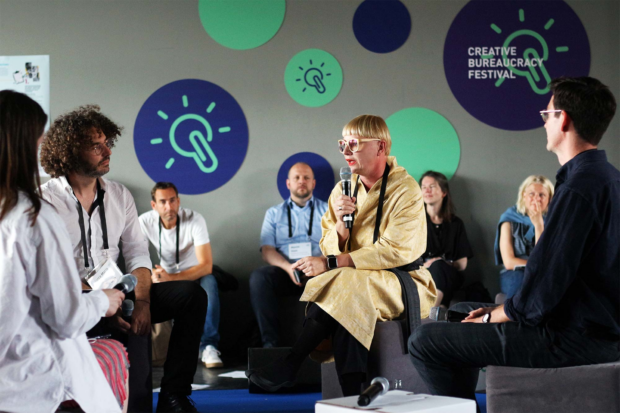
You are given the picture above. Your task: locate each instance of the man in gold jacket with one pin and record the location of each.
(351, 285)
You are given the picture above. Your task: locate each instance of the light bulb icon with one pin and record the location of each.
(535, 73)
(203, 155)
(313, 77)
(531, 54)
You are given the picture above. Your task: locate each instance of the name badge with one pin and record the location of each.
(299, 250)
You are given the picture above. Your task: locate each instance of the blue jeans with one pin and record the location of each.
(210, 334)
(510, 281)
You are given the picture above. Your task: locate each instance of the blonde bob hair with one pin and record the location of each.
(369, 127)
(533, 179)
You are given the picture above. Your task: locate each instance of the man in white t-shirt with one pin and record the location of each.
(182, 241)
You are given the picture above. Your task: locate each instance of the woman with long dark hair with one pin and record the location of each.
(447, 247)
(45, 357)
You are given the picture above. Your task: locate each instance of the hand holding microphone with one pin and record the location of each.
(117, 294)
(345, 206)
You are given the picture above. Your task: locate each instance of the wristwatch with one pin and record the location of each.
(332, 262)
(486, 318)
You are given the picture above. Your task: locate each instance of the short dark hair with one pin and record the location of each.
(22, 122)
(61, 151)
(447, 207)
(589, 103)
(163, 185)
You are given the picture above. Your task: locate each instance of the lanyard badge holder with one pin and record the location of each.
(105, 275)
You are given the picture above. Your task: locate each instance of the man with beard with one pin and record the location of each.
(291, 230)
(181, 238)
(99, 215)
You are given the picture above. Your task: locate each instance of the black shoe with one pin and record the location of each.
(273, 376)
(170, 402)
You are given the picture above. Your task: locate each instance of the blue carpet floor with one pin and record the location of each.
(241, 401)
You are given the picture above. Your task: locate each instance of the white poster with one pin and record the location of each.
(29, 75)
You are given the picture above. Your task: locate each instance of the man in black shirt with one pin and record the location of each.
(567, 312)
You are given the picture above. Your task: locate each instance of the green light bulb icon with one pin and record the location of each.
(198, 141)
(531, 54)
(532, 62)
(202, 154)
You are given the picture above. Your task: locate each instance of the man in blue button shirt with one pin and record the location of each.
(291, 230)
(567, 311)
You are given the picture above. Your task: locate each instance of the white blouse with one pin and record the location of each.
(45, 357)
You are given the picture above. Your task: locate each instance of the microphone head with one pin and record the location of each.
(383, 382)
(129, 282)
(438, 314)
(127, 308)
(345, 173)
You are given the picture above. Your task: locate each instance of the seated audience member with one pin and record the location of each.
(357, 281)
(45, 356)
(447, 247)
(182, 241)
(291, 230)
(100, 215)
(519, 229)
(567, 312)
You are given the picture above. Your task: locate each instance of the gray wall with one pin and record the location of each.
(116, 53)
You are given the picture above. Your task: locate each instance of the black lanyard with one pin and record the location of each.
(379, 206)
(104, 227)
(178, 235)
(290, 227)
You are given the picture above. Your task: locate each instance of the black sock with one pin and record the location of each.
(351, 383)
(311, 336)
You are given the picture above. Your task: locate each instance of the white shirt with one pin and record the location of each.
(45, 357)
(193, 233)
(121, 219)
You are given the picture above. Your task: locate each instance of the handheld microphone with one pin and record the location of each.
(442, 314)
(127, 283)
(378, 387)
(345, 176)
(127, 308)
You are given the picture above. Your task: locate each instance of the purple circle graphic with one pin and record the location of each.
(499, 57)
(323, 173)
(193, 133)
(382, 26)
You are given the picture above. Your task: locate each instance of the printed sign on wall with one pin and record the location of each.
(500, 56)
(193, 133)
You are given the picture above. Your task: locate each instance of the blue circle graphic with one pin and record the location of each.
(193, 133)
(382, 26)
(499, 57)
(323, 173)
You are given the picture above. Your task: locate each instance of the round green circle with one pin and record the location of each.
(241, 24)
(424, 140)
(313, 78)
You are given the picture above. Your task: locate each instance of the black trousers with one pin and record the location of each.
(447, 279)
(448, 355)
(266, 285)
(185, 302)
(349, 354)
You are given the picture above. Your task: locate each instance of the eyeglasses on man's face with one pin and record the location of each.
(354, 144)
(98, 147)
(545, 114)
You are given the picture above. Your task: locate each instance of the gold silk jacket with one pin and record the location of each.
(359, 297)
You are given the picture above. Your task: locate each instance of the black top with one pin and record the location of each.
(447, 240)
(573, 275)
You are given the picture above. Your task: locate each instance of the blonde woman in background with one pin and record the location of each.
(519, 229)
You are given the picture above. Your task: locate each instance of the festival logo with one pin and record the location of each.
(500, 56)
(193, 133)
(313, 78)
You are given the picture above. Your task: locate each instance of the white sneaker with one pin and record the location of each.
(211, 358)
